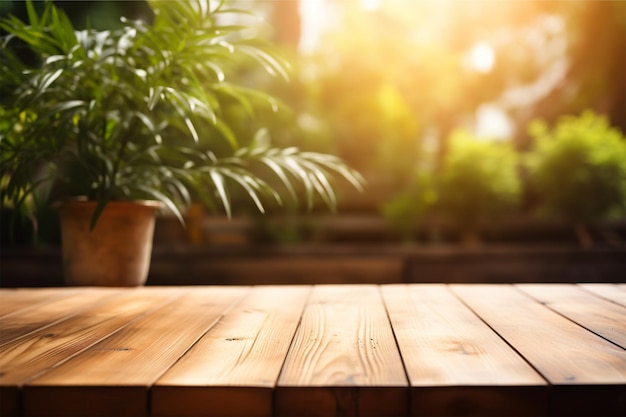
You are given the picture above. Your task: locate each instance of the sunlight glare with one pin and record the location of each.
(493, 123)
(315, 21)
(482, 57)
(370, 5)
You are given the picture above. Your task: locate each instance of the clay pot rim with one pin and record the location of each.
(83, 202)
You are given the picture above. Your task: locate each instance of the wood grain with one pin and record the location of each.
(324, 350)
(233, 369)
(566, 354)
(116, 373)
(45, 313)
(343, 359)
(12, 300)
(597, 314)
(613, 292)
(445, 345)
(24, 358)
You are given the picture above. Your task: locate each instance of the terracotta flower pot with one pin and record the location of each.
(116, 252)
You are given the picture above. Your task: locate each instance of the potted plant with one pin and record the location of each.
(102, 121)
(578, 168)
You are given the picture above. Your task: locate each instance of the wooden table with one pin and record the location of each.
(405, 349)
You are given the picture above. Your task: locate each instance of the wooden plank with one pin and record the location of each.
(588, 373)
(113, 376)
(455, 363)
(12, 300)
(41, 315)
(343, 360)
(599, 315)
(25, 358)
(613, 292)
(233, 369)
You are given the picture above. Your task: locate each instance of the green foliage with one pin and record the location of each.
(139, 112)
(479, 180)
(579, 167)
(409, 209)
(369, 117)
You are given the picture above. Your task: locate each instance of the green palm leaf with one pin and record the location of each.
(143, 112)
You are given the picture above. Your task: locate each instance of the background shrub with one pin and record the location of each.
(479, 180)
(578, 168)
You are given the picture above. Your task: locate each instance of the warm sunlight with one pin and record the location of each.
(482, 57)
(370, 4)
(438, 55)
(383, 86)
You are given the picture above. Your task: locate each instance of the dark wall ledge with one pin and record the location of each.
(341, 263)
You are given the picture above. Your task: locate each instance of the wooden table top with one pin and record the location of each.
(401, 349)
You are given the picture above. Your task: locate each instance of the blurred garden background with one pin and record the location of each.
(471, 120)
